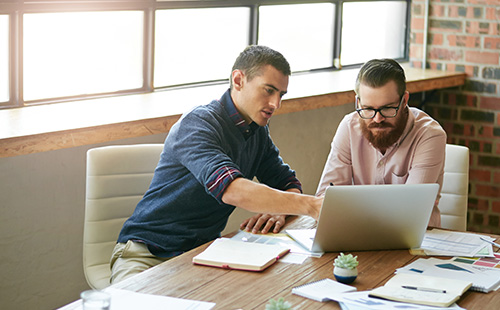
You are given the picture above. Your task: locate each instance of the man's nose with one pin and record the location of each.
(378, 117)
(276, 102)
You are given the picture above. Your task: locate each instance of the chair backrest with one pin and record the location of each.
(117, 178)
(453, 202)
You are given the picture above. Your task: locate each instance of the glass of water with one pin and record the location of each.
(95, 300)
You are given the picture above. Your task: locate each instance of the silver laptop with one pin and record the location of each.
(370, 217)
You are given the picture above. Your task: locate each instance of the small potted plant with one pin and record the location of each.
(345, 268)
(279, 304)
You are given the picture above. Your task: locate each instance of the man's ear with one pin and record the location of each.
(238, 79)
(407, 99)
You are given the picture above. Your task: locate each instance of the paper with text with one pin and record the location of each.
(451, 243)
(128, 300)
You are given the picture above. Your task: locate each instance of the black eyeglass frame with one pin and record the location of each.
(377, 110)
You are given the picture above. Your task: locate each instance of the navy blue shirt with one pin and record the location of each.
(204, 151)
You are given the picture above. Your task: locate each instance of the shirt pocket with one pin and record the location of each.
(396, 178)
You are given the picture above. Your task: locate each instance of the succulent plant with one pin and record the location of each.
(279, 304)
(346, 261)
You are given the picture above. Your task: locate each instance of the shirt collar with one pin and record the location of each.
(246, 130)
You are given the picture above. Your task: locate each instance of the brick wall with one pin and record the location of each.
(464, 36)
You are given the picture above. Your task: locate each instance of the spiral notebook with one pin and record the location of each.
(484, 279)
(322, 290)
(423, 290)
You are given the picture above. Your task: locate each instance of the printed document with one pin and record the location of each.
(361, 301)
(128, 300)
(483, 279)
(451, 243)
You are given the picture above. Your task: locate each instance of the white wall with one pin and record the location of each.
(42, 208)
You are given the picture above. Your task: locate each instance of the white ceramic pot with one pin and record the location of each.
(344, 275)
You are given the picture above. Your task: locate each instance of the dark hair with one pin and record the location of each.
(378, 72)
(254, 57)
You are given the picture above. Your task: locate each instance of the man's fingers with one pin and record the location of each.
(250, 223)
(260, 222)
(277, 226)
(243, 225)
(264, 223)
(269, 224)
(280, 222)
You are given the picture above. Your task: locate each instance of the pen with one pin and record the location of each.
(491, 242)
(331, 184)
(423, 289)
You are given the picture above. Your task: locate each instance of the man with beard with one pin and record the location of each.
(385, 141)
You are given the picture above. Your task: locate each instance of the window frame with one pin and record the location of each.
(16, 9)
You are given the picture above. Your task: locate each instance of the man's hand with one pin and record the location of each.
(264, 221)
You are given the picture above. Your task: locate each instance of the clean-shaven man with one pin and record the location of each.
(206, 169)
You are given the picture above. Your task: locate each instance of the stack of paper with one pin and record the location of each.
(282, 239)
(322, 290)
(328, 289)
(424, 290)
(451, 243)
(491, 262)
(128, 300)
(483, 279)
(362, 301)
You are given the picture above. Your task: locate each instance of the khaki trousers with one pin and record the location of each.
(131, 258)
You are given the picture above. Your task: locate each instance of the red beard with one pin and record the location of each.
(384, 140)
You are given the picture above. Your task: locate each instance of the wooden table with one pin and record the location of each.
(233, 289)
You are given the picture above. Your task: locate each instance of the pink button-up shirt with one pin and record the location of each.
(417, 157)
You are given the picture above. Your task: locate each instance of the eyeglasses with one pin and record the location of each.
(369, 113)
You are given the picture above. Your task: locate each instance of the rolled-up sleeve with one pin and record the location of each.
(220, 180)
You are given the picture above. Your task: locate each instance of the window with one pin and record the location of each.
(379, 39)
(4, 58)
(298, 30)
(62, 50)
(197, 45)
(77, 53)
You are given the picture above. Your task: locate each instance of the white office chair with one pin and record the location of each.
(117, 178)
(453, 202)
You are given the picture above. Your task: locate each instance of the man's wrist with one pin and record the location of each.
(294, 190)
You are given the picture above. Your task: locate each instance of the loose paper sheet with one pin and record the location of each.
(361, 301)
(128, 300)
(297, 253)
(451, 243)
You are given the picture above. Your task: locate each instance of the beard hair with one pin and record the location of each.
(384, 140)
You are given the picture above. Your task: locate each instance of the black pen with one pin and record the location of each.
(423, 289)
(331, 184)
